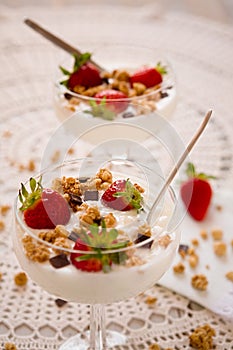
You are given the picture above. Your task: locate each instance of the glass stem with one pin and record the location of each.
(97, 328)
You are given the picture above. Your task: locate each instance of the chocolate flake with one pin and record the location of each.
(60, 302)
(83, 179)
(141, 238)
(68, 96)
(59, 261)
(163, 94)
(73, 236)
(184, 248)
(75, 199)
(91, 196)
(128, 115)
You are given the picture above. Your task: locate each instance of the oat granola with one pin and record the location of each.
(20, 279)
(202, 338)
(199, 282)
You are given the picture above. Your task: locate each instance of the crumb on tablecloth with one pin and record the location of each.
(179, 268)
(20, 279)
(217, 234)
(10, 346)
(220, 248)
(199, 282)
(202, 337)
(229, 275)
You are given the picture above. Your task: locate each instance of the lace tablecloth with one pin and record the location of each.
(201, 53)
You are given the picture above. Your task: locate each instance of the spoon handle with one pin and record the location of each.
(179, 163)
(57, 41)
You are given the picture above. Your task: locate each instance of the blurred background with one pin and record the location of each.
(219, 10)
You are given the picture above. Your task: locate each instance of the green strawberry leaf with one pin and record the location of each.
(65, 71)
(161, 69)
(191, 173)
(80, 60)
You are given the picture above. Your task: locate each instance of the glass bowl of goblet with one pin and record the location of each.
(82, 234)
(123, 79)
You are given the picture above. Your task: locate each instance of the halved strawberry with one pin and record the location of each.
(148, 76)
(114, 100)
(84, 73)
(43, 208)
(196, 193)
(122, 195)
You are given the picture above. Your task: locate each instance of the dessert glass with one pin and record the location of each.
(140, 264)
(130, 58)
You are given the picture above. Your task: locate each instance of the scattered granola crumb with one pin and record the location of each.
(232, 243)
(207, 267)
(7, 133)
(202, 338)
(195, 242)
(21, 279)
(134, 261)
(229, 276)
(219, 207)
(1, 276)
(55, 157)
(193, 260)
(204, 234)
(220, 248)
(139, 188)
(150, 300)
(217, 234)
(199, 282)
(165, 241)
(2, 225)
(31, 165)
(10, 346)
(179, 268)
(70, 151)
(4, 209)
(154, 346)
(145, 230)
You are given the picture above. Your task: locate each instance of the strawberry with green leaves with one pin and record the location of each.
(149, 76)
(196, 193)
(122, 195)
(115, 101)
(43, 208)
(93, 246)
(84, 73)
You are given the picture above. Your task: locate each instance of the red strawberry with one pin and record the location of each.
(91, 264)
(84, 73)
(196, 193)
(43, 208)
(114, 100)
(148, 76)
(122, 195)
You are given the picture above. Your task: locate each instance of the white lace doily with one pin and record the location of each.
(201, 54)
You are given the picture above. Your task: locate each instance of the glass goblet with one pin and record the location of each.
(100, 254)
(119, 62)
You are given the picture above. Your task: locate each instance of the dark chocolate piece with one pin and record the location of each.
(73, 236)
(83, 179)
(141, 238)
(60, 302)
(128, 115)
(59, 261)
(68, 96)
(91, 196)
(184, 248)
(75, 199)
(163, 94)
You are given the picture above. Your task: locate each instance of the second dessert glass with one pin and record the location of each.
(95, 259)
(119, 61)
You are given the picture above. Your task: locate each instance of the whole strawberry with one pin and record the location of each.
(122, 195)
(113, 100)
(43, 208)
(84, 73)
(196, 193)
(148, 76)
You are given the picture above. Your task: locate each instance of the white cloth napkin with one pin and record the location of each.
(218, 296)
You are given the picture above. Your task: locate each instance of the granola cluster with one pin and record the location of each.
(202, 338)
(103, 179)
(10, 346)
(20, 279)
(200, 282)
